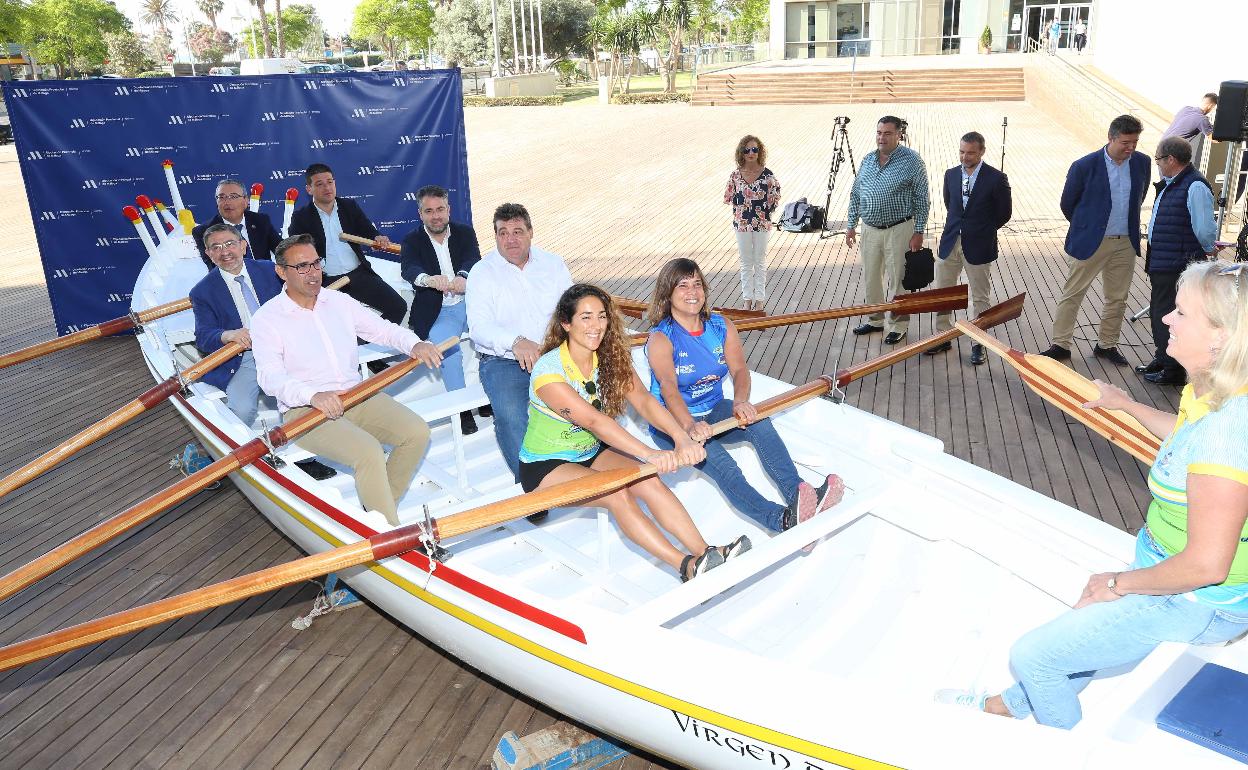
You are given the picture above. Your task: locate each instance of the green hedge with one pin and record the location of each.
(152, 75)
(513, 101)
(650, 98)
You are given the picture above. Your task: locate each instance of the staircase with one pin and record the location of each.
(743, 86)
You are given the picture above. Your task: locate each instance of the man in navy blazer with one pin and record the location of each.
(259, 237)
(436, 259)
(979, 203)
(327, 217)
(223, 302)
(1101, 200)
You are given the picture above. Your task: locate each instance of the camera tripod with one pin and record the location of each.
(840, 148)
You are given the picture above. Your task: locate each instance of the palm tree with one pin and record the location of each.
(159, 12)
(210, 8)
(264, 28)
(281, 40)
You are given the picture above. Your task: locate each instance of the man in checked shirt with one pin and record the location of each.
(890, 195)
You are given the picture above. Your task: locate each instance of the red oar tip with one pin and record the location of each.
(131, 213)
(291, 194)
(144, 202)
(159, 205)
(167, 163)
(257, 189)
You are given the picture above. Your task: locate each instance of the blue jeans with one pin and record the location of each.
(723, 470)
(1057, 660)
(507, 387)
(452, 320)
(243, 392)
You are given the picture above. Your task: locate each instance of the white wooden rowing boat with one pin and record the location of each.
(924, 575)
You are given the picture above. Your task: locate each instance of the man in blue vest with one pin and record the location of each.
(1101, 200)
(1181, 230)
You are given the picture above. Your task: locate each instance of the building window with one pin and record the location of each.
(951, 40)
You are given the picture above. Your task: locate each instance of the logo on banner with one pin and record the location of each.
(399, 82)
(309, 85)
(119, 297)
(20, 93)
(47, 215)
(77, 123)
(133, 152)
(59, 273)
(410, 196)
(228, 148)
(317, 144)
(90, 184)
(121, 91)
(366, 169)
(102, 242)
(218, 88)
(185, 179)
(268, 116)
(34, 155)
(358, 113)
(175, 120)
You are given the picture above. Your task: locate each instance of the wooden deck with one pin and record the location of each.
(617, 191)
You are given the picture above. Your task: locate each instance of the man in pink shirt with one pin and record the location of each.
(304, 343)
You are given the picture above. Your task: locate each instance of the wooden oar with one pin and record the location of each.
(149, 399)
(403, 539)
(245, 455)
(635, 308)
(349, 238)
(115, 326)
(931, 301)
(1068, 390)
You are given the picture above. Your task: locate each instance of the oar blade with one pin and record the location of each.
(998, 314)
(944, 300)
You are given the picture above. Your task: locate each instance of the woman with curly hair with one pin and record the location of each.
(579, 387)
(753, 192)
(691, 351)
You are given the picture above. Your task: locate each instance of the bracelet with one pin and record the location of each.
(1112, 585)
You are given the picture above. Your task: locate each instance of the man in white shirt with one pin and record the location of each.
(306, 356)
(512, 293)
(436, 259)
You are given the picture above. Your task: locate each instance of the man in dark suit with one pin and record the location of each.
(1101, 200)
(978, 199)
(257, 233)
(328, 216)
(436, 259)
(223, 302)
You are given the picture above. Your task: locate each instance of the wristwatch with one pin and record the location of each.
(1112, 584)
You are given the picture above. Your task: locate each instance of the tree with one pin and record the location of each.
(158, 12)
(670, 21)
(264, 28)
(160, 47)
(210, 9)
(391, 22)
(281, 39)
(209, 44)
(564, 26)
(300, 26)
(12, 19)
(127, 55)
(462, 32)
(69, 33)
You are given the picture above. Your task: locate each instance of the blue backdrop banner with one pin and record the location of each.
(87, 148)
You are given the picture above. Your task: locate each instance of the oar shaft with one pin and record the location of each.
(349, 238)
(184, 604)
(115, 326)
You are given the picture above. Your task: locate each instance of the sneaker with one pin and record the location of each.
(735, 548)
(964, 698)
(486, 411)
(467, 425)
(806, 507)
(830, 492)
(691, 567)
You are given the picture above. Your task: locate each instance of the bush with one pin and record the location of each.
(152, 74)
(513, 101)
(650, 98)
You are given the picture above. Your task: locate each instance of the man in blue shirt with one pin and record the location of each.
(1180, 230)
(1101, 200)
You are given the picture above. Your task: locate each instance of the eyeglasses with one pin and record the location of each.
(749, 150)
(592, 390)
(1160, 157)
(303, 267)
(229, 197)
(217, 248)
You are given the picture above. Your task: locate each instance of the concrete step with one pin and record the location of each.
(969, 85)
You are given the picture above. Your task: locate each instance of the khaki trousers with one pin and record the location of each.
(883, 253)
(355, 440)
(1114, 261)
(978, 278)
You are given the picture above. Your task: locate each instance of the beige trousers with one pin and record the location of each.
(355, 440)
(978, 278)
(1114, 261)
(883, 253)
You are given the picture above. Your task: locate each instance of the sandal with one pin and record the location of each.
(710, 559)
(735, 548)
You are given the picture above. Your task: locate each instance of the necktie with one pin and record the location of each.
(242, 236)
(249, 296)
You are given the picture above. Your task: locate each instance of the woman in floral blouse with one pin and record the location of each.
(753, 192)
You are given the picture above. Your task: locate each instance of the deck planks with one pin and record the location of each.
(617, 191)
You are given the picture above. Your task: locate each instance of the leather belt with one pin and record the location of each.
(894, 224)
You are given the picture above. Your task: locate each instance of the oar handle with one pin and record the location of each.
(115, 326)
(349, 238)
(931, 301)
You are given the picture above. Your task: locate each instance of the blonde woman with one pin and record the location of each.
(753, 192)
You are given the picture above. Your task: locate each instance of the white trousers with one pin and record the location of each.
(752, 253)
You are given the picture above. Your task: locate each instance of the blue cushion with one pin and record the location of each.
(1210, 710)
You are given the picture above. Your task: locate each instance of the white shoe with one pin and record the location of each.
(964, 698)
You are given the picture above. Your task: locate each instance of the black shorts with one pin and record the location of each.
(531, 474)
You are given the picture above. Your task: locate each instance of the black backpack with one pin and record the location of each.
(802, 217)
